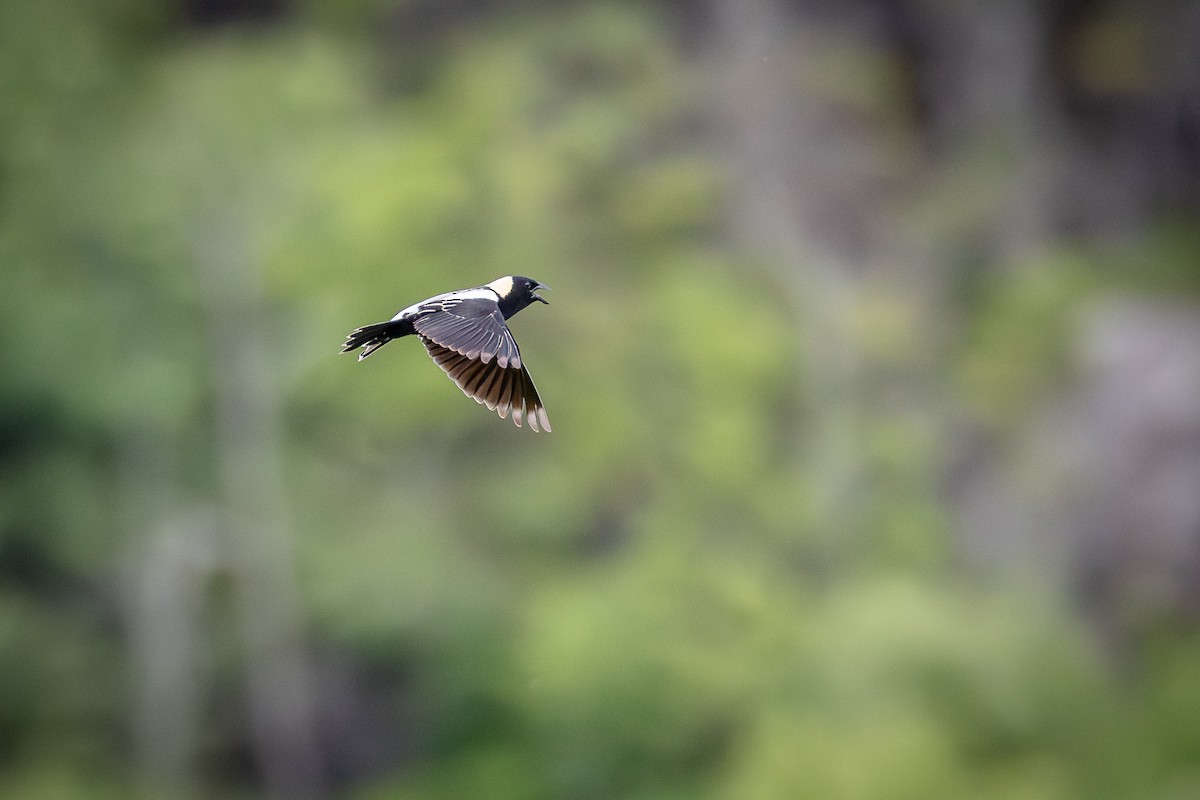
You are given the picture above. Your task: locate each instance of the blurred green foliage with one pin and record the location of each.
(652, 602)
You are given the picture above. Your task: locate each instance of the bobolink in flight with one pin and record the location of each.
(466, 336)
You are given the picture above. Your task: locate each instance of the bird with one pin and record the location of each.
(466, 334)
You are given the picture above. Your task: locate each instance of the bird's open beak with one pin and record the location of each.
(538, 297)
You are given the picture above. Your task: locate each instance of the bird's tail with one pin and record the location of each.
(370, 338)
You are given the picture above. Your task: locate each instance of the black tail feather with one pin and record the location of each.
(370, 338)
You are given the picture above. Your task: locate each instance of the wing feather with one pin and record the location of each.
(503, 388)
(474, 328)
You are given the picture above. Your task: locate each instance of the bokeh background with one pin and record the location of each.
(873, 359)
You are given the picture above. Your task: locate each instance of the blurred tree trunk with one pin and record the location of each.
(789, 178)
(164, 613)
(249, 446)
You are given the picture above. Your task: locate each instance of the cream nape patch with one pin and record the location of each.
(502, 286)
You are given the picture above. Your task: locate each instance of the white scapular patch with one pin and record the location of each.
(454, 297)
(502, 286)
(485, 293)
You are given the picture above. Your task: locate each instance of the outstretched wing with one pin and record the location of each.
(473, 327)
(471, 343)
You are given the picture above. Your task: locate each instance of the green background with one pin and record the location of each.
(868, 355)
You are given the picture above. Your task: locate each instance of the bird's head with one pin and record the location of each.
(530, 288)
(517, 291)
